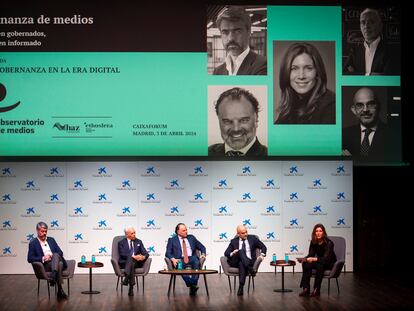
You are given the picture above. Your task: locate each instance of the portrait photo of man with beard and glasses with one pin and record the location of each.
(236, 40)
(237, 121)
(371, 123)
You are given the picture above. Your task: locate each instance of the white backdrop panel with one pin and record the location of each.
(86, 204)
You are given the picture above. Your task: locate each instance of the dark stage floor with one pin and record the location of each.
(362, 291)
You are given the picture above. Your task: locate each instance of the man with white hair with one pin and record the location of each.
(132, 254)
(374, 56)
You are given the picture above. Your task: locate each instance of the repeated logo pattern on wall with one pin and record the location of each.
(86, 204)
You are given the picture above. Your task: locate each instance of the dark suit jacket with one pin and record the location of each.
(254, 243)
(382, 145)
(387, 60)
(35, 253)
(124, 253)
(323, 114)
(253, 64)
(174, 247)
(257, 149)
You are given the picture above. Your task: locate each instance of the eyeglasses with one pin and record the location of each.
(369, 105)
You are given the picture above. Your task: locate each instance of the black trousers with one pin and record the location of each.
(129, 268)
(307, 268)
(241, 261)
(55, 265)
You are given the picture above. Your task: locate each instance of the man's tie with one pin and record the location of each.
(131, 247)
(234, 153)
(185, 254)
(365, 143)
(244, 246)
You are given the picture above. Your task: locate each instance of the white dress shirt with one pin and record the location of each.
(369, 54)
(242, 150)
(188, 247)
(248, 251)
(45, 248)
(370, 136)
(233, 63)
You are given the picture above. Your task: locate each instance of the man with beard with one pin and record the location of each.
(237, 110)
(371, 138)
(235, 28)
(374, 56)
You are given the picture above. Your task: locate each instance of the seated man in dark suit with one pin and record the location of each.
(237, 110)
(132, 254)
(45, 249)
(374, 56)
(183, 247)
(235, 28)
(241, 253)
(370, 139)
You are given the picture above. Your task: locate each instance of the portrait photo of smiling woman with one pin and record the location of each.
(304, 80)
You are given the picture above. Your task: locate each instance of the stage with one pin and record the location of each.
(358, 291)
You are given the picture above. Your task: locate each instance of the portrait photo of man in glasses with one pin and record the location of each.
(371, 139)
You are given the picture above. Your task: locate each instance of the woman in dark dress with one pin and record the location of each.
(321, 257)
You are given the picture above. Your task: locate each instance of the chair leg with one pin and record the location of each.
(337, 284)
(228, 277)
(117, 283)
(48, 289)
(122, 286)
(136, 281)
(38, 283)
(68, 288)
(174, 283)
(329, 285)
(248, 284)
(143, 284)
(253, 282)
(234, 283)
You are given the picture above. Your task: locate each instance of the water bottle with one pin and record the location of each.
(274, 257)
(93, 259)
(286, 258)
(180, 265)
(83, 259)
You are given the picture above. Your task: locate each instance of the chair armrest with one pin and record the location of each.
(169, 263)
(257, 263)
(39, 270)
(202, 261)
(147, 265)
(116, 267)
(225, 265)
(71, 267)
(336, 269)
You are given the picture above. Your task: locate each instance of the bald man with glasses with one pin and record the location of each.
(370, 139)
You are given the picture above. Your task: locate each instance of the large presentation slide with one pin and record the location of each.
(131, 79)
